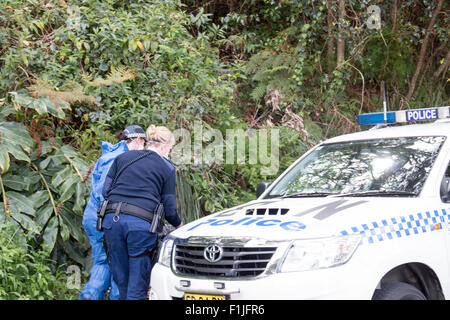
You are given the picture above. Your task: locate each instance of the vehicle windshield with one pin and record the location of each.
(396, 166)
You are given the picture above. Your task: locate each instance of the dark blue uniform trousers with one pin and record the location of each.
(129, 243)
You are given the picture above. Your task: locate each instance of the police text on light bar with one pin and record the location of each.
(425, 114)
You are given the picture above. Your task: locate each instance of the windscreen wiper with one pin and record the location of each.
(307, 194)
(386, 193)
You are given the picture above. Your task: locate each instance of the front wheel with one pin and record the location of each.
(398, 291)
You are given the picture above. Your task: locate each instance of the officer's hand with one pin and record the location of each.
(181, 224)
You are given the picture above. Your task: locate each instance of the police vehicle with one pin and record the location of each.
(360, 216)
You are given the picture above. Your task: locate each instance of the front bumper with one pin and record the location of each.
(323, 284)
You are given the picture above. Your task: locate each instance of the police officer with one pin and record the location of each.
(136, 183)
(132, 138)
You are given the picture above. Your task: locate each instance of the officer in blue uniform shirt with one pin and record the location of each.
(132, 138)
(133, 194)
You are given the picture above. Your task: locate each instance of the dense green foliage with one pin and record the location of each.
(72, 72)
(26, 273)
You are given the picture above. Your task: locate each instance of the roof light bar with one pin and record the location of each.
(412, 115)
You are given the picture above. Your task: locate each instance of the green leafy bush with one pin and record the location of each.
(43, 182)
(25, 272)
(73, 72)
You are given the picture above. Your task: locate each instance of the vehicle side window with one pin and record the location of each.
(445, 185)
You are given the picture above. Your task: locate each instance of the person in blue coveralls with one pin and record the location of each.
(132, 138)
(147, 180)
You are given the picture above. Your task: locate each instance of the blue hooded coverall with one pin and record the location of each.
(100, 276)
(145, 183)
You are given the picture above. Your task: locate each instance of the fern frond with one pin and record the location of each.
(71, 92)
(259, 92)
(117, 75)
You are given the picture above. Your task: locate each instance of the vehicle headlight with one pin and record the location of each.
(310, 254)
(165, 253)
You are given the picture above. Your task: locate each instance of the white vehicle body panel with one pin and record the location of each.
(395, 231)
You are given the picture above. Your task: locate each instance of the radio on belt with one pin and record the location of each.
(412, 115)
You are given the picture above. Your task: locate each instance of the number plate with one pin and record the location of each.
(195, 296)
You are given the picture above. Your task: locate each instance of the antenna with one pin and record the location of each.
(383, 91)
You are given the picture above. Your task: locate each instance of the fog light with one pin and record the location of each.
(185, 283)
(219, 285)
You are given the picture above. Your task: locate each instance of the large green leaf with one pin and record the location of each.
(25, 221)
(68, 189)
(46, 147)
(16, 182)
(80, 198)
(21, 203)
(43, 215)
(61, 176)
(73, 222)
(42, 105)
(63, 229)
(6, 111)
(50, 234)
(16, 134)
(14, 138)
(79, 165)
(4, 160)
(44, 163)
(21, 98)
(16, 151)
(68, 151)
(75, 251)
(39, 198)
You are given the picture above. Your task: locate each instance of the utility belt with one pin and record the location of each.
(126, 208)
(156, 218)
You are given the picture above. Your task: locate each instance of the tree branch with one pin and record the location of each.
(340, 41)
(443, 66)
(423, 51)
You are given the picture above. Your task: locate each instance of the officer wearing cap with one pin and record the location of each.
(132, 138)
(136, 184)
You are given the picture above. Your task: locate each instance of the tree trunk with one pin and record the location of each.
(394, 16)
(443, 67)
(330, 43)
(423, 51)
(340, 41)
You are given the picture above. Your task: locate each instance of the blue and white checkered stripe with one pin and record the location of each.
(402, 226)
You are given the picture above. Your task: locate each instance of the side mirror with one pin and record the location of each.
(262, 186)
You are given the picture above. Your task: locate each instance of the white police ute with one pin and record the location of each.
(360, 216)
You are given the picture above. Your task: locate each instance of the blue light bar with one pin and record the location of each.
(412, 115)
(375, 118)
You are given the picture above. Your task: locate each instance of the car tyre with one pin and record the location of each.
(398, 291)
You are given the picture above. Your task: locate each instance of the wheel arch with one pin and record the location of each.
(418, 275)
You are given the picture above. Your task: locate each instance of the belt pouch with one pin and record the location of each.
(100, 214)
